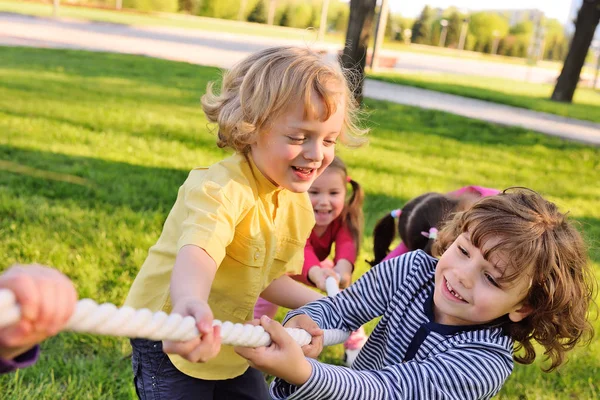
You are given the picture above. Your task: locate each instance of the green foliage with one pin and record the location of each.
(485, 27)
(94, 147)
(189, 6)
(284, 18)
(421, 30)
(455, 22)
(258, 13)
(556, 45)
(225, 9)
(337, 16)
(152, 5)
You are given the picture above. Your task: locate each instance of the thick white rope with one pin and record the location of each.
(108, 319)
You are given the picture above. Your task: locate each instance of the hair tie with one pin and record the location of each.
(396, 213)
(348, 179)
(432, 234)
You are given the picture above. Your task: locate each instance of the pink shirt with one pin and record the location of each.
(318, 248)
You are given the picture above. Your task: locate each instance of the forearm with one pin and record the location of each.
(193, 274)
(343, 265)
(288, 293)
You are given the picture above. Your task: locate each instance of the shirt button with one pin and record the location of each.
(257, 255)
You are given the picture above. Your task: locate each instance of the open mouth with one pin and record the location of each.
(323, 212)
(304, 171)
(452, 292)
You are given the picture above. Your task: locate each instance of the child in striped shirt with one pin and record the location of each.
(511, 270)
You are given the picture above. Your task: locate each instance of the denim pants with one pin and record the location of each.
(156, 378)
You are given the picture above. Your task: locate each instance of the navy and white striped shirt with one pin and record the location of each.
(408, 356)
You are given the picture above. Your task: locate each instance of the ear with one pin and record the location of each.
(520, 313)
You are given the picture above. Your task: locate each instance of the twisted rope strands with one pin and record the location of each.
(108, 319)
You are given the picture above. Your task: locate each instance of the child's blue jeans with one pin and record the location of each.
(156, 378)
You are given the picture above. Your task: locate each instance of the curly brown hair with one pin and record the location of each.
(265, 84)
(543, 246)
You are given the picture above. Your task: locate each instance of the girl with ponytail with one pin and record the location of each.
(339, 219)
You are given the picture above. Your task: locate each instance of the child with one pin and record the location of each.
(238, 227)
(512, 269)
(46, 299)
(418, 217)
(337, 221)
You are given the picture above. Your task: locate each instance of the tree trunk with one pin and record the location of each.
(585, 26)
(360, 26)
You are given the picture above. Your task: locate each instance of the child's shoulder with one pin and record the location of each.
(231, 176)
(416, 267)
(417, 259)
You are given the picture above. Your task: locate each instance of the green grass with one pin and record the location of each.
(94, 147)
(533, 96)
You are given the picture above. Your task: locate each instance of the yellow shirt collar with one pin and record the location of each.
(264, 185)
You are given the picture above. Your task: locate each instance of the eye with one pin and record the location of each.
(297, 139)
(491, 280)
(463, 251)
(329, 142)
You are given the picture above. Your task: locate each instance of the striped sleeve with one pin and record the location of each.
(367, 298)
(472, 371)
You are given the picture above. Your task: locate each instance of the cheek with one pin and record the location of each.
(328, 155)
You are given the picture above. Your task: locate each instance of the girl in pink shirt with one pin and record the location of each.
(418, 221)
(338, 221)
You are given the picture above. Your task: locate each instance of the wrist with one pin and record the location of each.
(302, 373)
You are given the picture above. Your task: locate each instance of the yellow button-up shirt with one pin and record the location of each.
(254, 231)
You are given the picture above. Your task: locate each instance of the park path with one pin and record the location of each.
(224, 49)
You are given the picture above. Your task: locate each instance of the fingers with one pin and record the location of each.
(208, 344)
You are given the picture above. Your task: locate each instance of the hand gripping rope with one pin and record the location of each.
(107, 319)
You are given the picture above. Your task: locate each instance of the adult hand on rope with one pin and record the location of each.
(46, 298)
(282, 358)
(303, 321)
(208, 344)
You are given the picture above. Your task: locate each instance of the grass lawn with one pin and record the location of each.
(533, 96)
(94, 147)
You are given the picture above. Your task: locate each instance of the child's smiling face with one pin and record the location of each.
(328, 195)
(468, 290)
(296, 149)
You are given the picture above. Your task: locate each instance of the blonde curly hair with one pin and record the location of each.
(262, 86)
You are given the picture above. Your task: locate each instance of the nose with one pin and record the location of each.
(314, 151)
(465, 274)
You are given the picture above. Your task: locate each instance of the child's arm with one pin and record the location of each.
(345, 256)
(468, 371)
(191, 280)
(47, 299)
(371, 294)
(288, 293)
(312, 273)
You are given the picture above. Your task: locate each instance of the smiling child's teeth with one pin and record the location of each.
(458, 296)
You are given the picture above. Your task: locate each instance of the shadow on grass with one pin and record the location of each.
(107, 185)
